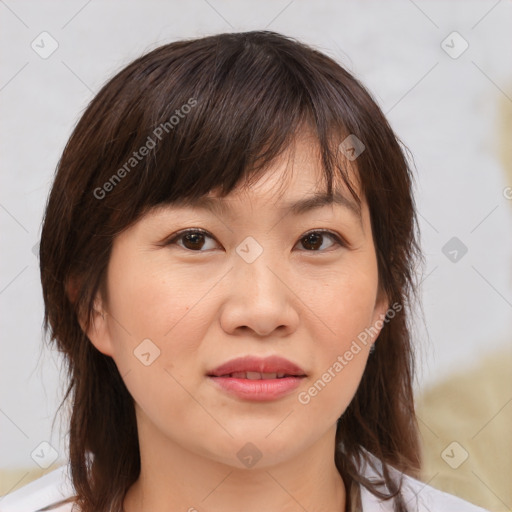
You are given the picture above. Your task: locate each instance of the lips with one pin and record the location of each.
(257, 379)
(255, 368)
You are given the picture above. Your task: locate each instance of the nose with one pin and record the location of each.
(259, 298)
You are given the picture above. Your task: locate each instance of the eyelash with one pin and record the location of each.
(337, 238)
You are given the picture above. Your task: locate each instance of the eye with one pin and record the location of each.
(194, 239)
(315, 239)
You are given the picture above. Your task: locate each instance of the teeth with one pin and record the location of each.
(255, 375)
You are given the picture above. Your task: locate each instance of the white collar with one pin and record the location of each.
(419, 497)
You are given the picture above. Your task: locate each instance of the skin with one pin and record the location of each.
(206, 305)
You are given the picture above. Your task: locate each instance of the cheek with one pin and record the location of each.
(150, 301)
(340, 365)
(344, 302)
(329, 393)
(156, 326)
(344, 305)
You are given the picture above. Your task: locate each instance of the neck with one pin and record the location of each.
(174, 478)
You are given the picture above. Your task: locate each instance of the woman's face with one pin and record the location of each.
(254, 285)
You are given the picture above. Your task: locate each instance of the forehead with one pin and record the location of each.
(294, 183)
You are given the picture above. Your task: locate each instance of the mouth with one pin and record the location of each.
(257, 379)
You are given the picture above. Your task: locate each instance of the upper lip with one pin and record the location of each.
(271, 364)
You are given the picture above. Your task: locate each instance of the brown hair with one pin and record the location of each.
(247, 95)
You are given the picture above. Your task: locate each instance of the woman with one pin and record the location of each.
(228, 262)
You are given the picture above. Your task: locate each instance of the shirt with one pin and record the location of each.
(419, 497)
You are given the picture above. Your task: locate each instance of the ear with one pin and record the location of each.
(97, 331)
(72, 287)
(379, 312)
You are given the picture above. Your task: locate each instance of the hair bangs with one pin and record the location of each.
(218, 122)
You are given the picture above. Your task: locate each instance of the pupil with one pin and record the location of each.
(193, 239)
(313, 239)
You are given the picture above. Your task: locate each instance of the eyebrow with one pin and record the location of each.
(321, 199)
(299, 207)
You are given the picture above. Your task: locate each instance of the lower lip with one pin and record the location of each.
(260, 390)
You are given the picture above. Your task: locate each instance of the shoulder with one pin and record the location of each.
(50, 489)
(423, 497)
(418, 496)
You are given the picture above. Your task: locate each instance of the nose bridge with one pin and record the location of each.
(254, 267)
(258, 298)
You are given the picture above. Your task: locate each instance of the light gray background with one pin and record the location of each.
(445, 110)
